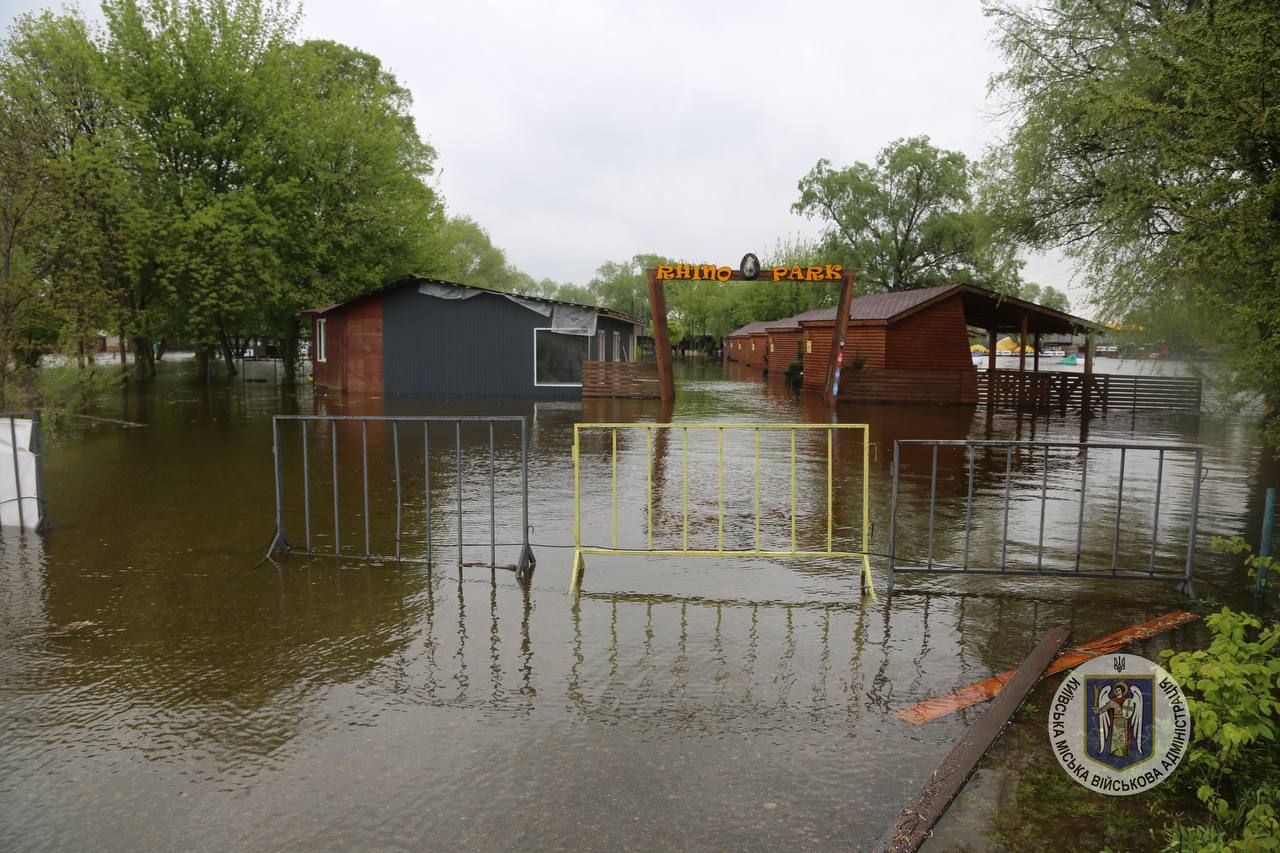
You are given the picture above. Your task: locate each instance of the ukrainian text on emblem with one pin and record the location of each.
(1119, 724)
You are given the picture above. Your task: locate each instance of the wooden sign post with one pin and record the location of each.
(662, 336)
(829, 388)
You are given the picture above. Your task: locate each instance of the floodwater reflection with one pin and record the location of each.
(157, 690)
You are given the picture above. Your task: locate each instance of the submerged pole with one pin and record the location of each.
(1264, 547)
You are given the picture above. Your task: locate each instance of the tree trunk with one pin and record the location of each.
(227, 354)
(289, 353)
(202, 363)
(141, 346)
(151, 360)
(124, 363)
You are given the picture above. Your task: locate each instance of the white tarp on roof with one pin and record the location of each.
(574, 320)
(565, 319)
(446, 291)
(26, 475)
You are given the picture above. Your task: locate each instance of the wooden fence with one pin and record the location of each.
(1016, 389)
(635, 379)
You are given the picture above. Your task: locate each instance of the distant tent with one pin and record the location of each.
(1008, 344)
(978, 348)
(1071, 359)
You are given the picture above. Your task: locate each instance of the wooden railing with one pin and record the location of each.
(1014, 389)
(636, 379)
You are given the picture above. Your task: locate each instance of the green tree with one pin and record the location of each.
(470, 257)
(1144, 141)
(199, 80)
(908, 220)
(345, 173)
(1049, 297)
(62, 189)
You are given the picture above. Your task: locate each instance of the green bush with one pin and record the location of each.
(794, 371)
(1269, 566)
(1233, 691)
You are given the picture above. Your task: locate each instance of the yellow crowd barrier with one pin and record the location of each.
(579, 563)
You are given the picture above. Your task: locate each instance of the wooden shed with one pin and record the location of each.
(739, 345)
(785, 339)
(424, 336)
(758, 347)
(913, 345)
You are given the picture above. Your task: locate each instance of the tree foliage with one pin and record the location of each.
(193, 173)
(1145, 142)
(908, 220)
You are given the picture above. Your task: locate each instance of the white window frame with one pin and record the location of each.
(617, 346)
(321, 349)
(538, 384)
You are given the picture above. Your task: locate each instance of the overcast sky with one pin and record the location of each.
(578, 133)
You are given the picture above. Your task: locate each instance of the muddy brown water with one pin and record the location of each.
(159, 689)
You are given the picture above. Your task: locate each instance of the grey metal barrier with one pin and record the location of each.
(37, 477)
(282, 543)
(1152, 564)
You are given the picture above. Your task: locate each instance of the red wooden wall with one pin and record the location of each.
(328, 373)
(934, 338)
(782, 348)
(867, 342)
(353, 348)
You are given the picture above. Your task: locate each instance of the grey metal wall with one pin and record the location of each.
(477, 346)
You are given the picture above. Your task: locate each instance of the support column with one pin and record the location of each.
(661, 338)
(1035, 357)
(1022, 345)
(991, 368)
(1087, 396)
(838, 336)
(1022, 360)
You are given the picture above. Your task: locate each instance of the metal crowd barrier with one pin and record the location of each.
(579, 563)
(37, 479)
(932, 566)
(282, 543)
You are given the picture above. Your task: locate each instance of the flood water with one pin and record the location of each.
(161, 687)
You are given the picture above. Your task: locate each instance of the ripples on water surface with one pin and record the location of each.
(158, 691)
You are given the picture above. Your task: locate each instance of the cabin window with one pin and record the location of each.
(617, 346)
(320, 348)
(557, 357)
(808, 345)
(600, 347)
(772, 347)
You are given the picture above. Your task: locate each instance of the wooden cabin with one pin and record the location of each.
(759, 347)
(424, 336)
(913, 345)
(785, 338)
(740, 346)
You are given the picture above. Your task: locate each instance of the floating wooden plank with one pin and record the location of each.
(916, 820)
(988, 688)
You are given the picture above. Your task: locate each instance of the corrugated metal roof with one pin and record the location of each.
(794, 322)
(886, 306)
(608, 312)
(757, 326)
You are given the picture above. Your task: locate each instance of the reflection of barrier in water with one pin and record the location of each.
(1053, 459)
(685, 660)
(282, 543)
(661, 432)
(22, 480)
